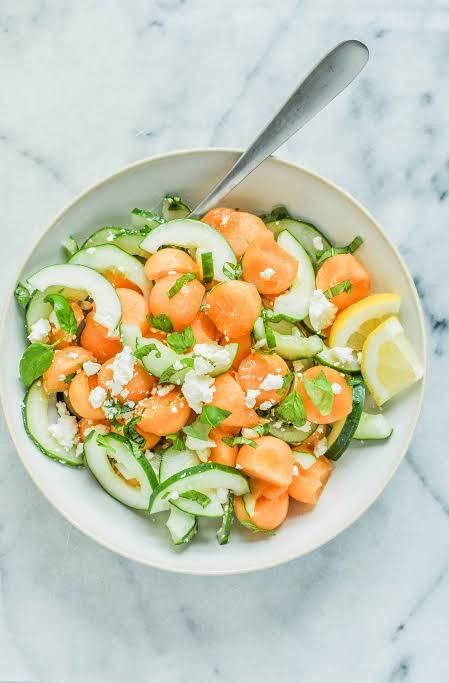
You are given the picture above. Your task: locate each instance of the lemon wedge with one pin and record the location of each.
(389, 363)
(352, 326)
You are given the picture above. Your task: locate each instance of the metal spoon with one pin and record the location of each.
(327, 80)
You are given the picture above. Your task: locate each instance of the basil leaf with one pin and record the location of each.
(178, 442)
(171, 370)
(180, 282)
(277, 214)
(256, 529)
(104, 442)
(35, 361)
(269, 334)
(130, 432)
(112, 408)
(68, 378)
(181, 341)
(197, 496)
(291, 409)
(262, 429)
(160, 322)
(328, 253)
(198, 430)
(63, 311)
(142, 351)
(233, 271)
(320, 392)
(213, 416)
(285, 382)
(339, 288)
(278, 317)
(22, 295)
(239, 441)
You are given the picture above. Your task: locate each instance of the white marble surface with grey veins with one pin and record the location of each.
(89, 86)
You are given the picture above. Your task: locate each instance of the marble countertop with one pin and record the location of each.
(90, 86)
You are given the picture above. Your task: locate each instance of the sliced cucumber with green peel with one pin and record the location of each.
(304, 233)
(181, 525)
(343, 431)
(129, 463)
(108, 257)
(201, 504)
(221, 367)
(209, 475)
(224, 531)
(156, 361)
(191, 234)
(173, 461)
(73, 276)
(173, 208)
(39, 308)
(142, 218)
(39, 410)
(327, 357)
(373, 428)
(295, 302)
(289, 433)
(289, 346)
(124, 238)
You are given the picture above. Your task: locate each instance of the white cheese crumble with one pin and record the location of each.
(249, 433)
(343, 354)
(318, 243)
(171, 272)
(225, 218)
(203, 454)
(91, 368)
(91, 250)
(222, 494)
(97, 396)
(267, 274)
(202, 366)
(101, 429)
(65, 430)
(260, 343)
(239, 466)
(320, 447)
(266, 405)
(336, 388)
(322, 312)
(177, 365)
(73, 355)
(250, 398)
(122, 370)
(271, 382)
(163, 389)
(305, 427)
(198, 389)
(198, 444)
(39, 330)
(216, 354)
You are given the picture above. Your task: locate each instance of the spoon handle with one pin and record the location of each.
(327, 80)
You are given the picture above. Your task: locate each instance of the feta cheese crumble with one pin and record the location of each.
(177, 365)
(216, 354)
(122, 370)
(91, 368)
(97, 396)
(39, 330)
(163, 389)
(198, 389)
(336, 388)
(267, 274)
(260, 343)
(343, 354)
(239, 466)
(318, 243)
(322, 312)
(271, 382)
(65, 430)
(266, 405)
(73, 355)
(198, 444)
(249, 433)
(250, 398)
(320, 447)
(202, 366)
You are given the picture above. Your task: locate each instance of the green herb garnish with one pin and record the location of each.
(64, 313)
(291, 409)
(333, 251)
(320, 392)
(339, 288)
(178, 442)
(35, 361)
(239, 441)
(256, 529)
(197, 497)
(23, 296)
(144, 350)
(171, 370)
(233, 271)
(160, 322)
(180, 282)
(181, 341)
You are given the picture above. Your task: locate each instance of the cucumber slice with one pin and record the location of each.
(109, 257)
(372, 427)
(173, 461)
(327, 357)
(209, 475)
(155, 463)
(181, 525)
(173, 208)
(343, 431)
(213, 509)
(134, 465)
(289, 433)
(39, 410)
(81, 278)
(295, 302)
(304, 233)
(142, 218)
(155, 362)
(290, 346)
(224, 531)
(125, 239)
(220, 367)
(130, 335)
(191, 234)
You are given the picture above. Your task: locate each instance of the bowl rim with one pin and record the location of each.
(289, 555)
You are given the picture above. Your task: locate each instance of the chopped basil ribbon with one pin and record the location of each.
(160, 322)
(320, 392)
(181, 341)
(339, 288)
(333, 251)
(180, 282)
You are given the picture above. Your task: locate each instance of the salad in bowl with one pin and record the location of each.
(213, 367)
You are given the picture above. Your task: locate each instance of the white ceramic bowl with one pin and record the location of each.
(359, 477)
